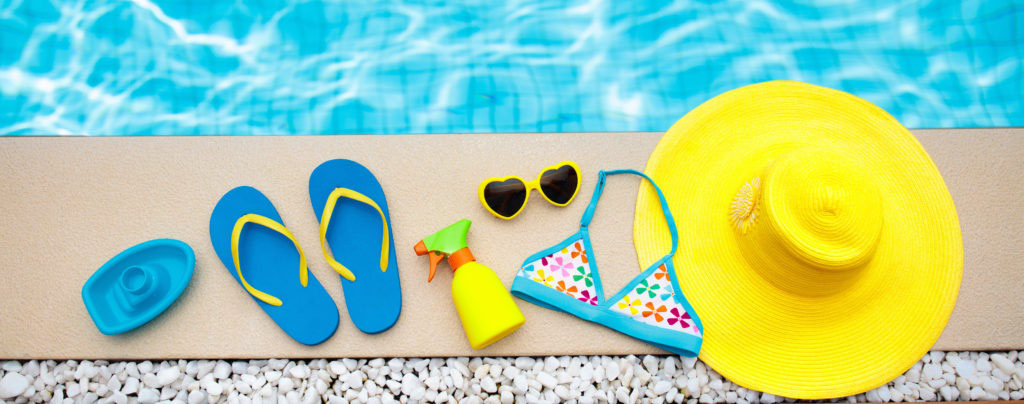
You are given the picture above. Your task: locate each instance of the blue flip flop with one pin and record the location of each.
(264, 257)
(355, 235)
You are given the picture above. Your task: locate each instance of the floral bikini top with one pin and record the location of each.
(651, 307)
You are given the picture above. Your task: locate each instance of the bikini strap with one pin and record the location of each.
(589, 213)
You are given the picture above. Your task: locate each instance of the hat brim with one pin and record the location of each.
(792, 345)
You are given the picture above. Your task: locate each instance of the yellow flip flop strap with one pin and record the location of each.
(275, 226)
(325, 219)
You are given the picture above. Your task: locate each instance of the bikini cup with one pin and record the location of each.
(650, 308)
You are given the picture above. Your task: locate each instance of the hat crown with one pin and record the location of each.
(821, 219)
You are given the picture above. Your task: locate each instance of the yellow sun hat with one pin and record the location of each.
(817, 240)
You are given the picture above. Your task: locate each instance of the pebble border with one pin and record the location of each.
(576, 379)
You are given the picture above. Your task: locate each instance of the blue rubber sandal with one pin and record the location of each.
(264, 257)
(355, 228)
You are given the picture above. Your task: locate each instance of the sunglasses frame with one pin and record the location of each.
(530, 185)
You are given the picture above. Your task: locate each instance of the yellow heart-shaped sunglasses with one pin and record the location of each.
(505, 197)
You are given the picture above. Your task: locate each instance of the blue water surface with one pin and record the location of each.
(165, 67)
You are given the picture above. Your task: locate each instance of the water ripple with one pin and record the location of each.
(161, 67)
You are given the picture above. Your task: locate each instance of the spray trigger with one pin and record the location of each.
(435, 258)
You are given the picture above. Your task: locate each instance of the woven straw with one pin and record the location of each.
(818, 242)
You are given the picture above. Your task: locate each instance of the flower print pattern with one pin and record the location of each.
(579, 251)
(656, 312)
(543, 279)
(526, 271)
(679, 317)
(649, 289)
(564, 272)
(583, 275)
(651, 301)
(631, 305)
(545, 259)
(561, 265)
(586, 297)
(667, 293)
(661, 273)
(571, 290)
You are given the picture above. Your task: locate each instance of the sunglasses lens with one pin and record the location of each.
(559, 185)
(505, 198)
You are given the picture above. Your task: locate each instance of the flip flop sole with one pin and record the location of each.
(270, 263)
(374, 300)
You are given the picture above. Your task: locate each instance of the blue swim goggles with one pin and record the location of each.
(651, 307)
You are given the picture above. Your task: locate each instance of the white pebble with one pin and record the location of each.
(662, 387)
(976, 379)
(410, 384)
(243, 387)
(131, 386)
(692, 388)
(481, 371)
(547, 380)
(1002, 363)
(964, 368)
(299, 372)
(992, 386)
(167, 376)
(524, 362)
(355, 379)
(196, 397)
(13, 384)
(285, 385)
(212, 388)
(611, 370)
(221, 371)
(949, 393)
(488, 384)
(337, 368)
(977, 393)
(204, 368)
(148, 396)
(931, 371)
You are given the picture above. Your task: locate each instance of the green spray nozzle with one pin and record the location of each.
(450, 241)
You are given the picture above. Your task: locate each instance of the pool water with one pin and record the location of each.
(170, 67)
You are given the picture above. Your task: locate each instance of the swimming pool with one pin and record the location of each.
(113, 67)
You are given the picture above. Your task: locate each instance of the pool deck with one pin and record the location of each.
(70, 203)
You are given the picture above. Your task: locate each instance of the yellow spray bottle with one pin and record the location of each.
(484, 305)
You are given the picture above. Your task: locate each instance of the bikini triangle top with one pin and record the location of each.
(651, 307)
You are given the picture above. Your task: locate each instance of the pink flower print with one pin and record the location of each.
(544, 259)
(587, 298)
(561, 264)
(676, 317)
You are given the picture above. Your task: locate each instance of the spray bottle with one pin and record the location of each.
(484, 305)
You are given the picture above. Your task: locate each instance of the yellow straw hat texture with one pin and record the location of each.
(818, 242)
